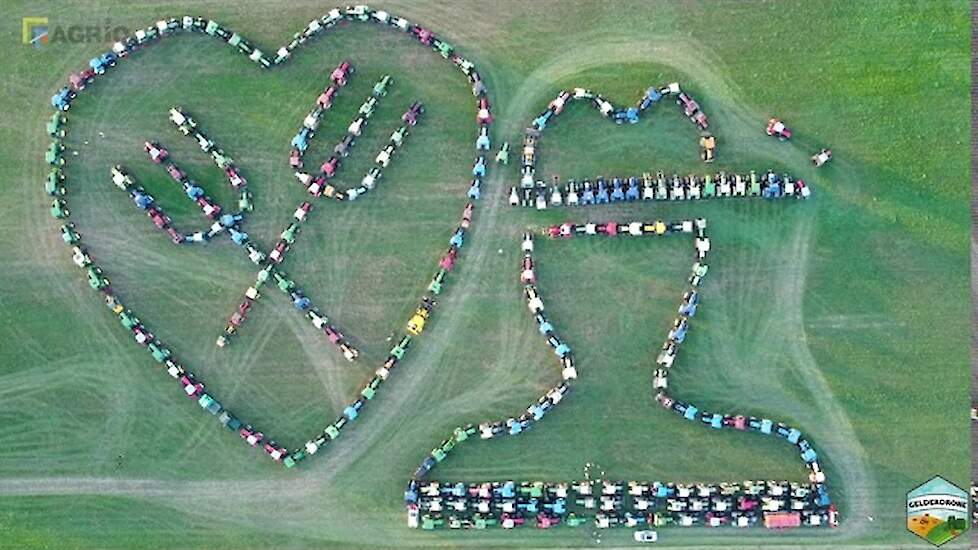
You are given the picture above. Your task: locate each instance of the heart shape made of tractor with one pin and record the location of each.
(227, 220)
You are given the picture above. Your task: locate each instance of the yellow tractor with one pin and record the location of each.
(415, 325)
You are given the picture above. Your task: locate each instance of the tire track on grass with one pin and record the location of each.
(841, 443)
(438, 344)
(784, 324)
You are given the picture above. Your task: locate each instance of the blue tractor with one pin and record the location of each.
(690, 300)
(617, 193)
(479, 169)
(602, 196)
(652, 96)
(587, 197)
(62, 99)
(301, 140)
(633, 193)
(102, 62)
(541, 121)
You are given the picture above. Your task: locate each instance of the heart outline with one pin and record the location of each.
(62, 99)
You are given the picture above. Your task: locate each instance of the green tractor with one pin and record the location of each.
(398, 136)
(284, 283)
(53, 154)
(482, 523)
(368, 107)
(461, 434)
(53, 184)
(69, 235)
(709, 187)
(332, 431)
(503, 155)
(221, 160)
(229, 421)
(294, 458)
(444, 48)
(290, 232)
(380, 88)
(401, 347)
(96, 279)
(244, 203)
(59, 209)
(441, 452)
(129, 320)
(371, 388)
(574, 521)
(755, 185)
(160, 353)
(209, 404)
(56, 125)
(430, 523)
(263, 276)
(437, 284)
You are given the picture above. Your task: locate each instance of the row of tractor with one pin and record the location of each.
(430, 508)
(318, 185)
(677, 335)
(536, 411)
(414, 328)
(652, 96)
(383, 159)
(231, 223)
(366, 14)
(192, 387)
(419, 318)
(312, 121)
(604, 504)
(161, 354)
(659, 187)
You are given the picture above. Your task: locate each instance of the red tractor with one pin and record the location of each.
(275, 450)
(300, 213)
(175, 173)
(210, 209)
(423, 35)
(329, 167)
(484, 116)
(250, 435)
(688, 104)
(160, 220)
(412, 114)
(235, 178)
(776, 128)
(325, 99)
(527, 276)
(156, 153)
(175, 235)
(340, 73)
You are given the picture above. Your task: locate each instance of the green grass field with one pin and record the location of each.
(846, 315)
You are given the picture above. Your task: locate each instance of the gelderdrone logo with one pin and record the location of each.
(34, 31)
(937, 511)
